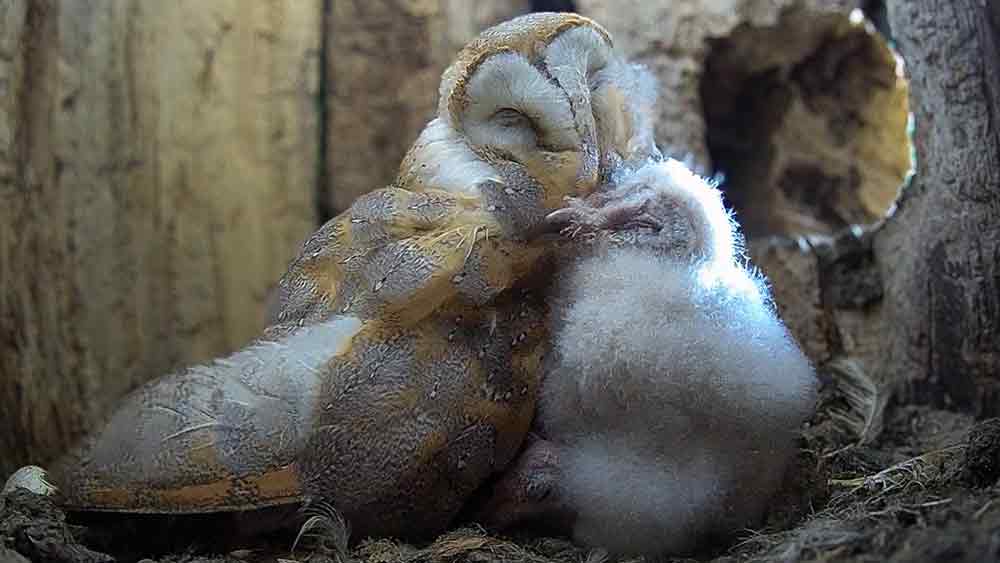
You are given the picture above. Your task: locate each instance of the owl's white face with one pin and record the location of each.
(542, 100)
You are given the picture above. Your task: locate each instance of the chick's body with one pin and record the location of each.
(672, 394)
(674, 404)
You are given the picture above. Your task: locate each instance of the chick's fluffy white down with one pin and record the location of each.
(676, 396)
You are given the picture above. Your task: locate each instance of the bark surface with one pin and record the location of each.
(939, 254)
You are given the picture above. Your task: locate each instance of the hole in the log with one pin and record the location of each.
(806, 122)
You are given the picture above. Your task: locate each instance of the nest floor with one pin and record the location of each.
(925, 490)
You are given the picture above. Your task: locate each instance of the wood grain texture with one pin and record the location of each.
(157, 166)
(941, 250)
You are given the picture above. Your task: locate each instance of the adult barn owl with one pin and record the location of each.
(534, 110)
(402, 367)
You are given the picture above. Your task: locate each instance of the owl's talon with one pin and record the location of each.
(608, 214)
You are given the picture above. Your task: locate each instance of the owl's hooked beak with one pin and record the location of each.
(606, 161)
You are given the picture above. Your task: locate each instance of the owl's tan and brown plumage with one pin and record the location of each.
(402, 366)
(535, 110)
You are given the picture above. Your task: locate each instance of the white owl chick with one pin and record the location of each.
(673, 392)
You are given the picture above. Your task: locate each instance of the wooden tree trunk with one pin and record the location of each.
(940, 252)
(157, 169)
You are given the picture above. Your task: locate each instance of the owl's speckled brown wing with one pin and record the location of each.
(421, 417)
(223, 436)
(195, 442)
(402, 374)
(394, 427)
(399, 255)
